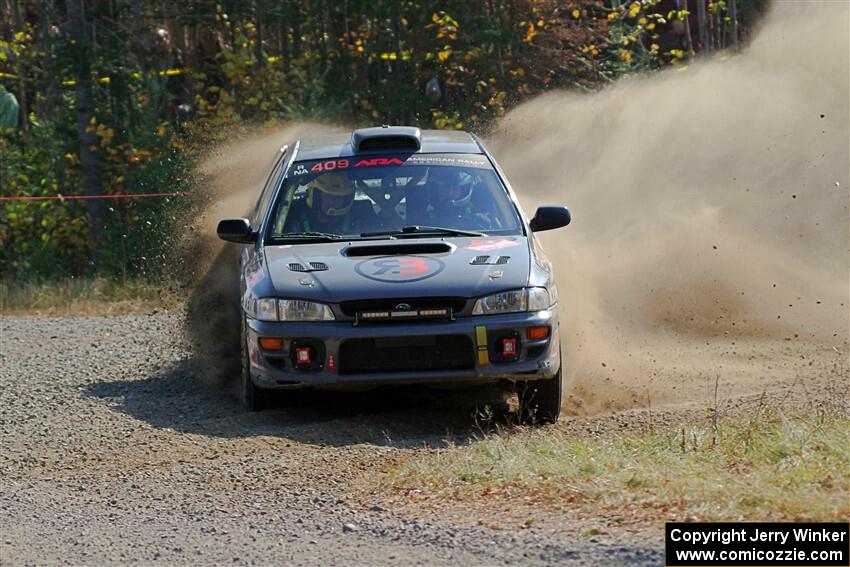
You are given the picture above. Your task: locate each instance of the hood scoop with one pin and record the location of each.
(311, 267)
(490, 260)
(398, 249)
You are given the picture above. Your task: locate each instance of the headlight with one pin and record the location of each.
(267, 309)
(261, 309)
(514, 301)
(271, 309)
(299, 310)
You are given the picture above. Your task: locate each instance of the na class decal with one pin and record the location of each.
(400, 269)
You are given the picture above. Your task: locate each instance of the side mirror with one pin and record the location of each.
(235, 230)
(548, 218)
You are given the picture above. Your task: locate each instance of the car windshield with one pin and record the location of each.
(396, 194)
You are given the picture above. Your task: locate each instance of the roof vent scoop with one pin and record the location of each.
(386, 138)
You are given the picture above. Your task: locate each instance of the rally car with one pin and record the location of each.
(396, 256)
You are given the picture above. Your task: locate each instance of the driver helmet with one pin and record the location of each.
(331, 194)
(447, 188)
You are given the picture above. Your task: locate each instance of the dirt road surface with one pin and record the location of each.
(113, 451)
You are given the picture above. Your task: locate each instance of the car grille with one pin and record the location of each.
(406, 354)
(352, 308)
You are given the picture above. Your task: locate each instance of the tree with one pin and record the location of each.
(85, 108)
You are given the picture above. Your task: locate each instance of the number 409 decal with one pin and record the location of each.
(330, 165)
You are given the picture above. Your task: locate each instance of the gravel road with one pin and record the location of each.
(113, 451)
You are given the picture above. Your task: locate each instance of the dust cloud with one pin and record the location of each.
(710, 232)
(229, 180)
(710, 205)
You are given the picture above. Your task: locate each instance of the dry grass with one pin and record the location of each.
(762, 466)
(78, 296)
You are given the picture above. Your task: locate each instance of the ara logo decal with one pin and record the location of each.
(490, 244)
(378, 161)
(401, 269)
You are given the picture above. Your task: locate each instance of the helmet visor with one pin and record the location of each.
(335, 205)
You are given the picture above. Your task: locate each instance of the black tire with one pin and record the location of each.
(253, 398)
(540, 400)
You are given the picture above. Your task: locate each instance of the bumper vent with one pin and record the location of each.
(406, 354)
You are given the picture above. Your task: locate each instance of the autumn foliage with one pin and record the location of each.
(165, 78)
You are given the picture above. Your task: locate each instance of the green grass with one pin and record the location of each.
(84, 296)
(762, 466)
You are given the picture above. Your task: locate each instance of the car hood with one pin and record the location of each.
(424, 267)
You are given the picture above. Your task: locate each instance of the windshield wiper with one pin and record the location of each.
(313, 235)
(310, 234)
(419, 230)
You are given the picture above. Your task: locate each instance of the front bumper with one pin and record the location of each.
(536, 359)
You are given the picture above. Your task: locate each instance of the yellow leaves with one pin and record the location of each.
(442, 19)
(105, 134)
(654, 48)
(590, 49)
(676, 55)
(576, 13)
(498, 99)
(3, 56)
(625, 55)
(405, 55)
(642, 21)
(444, 121)
(530, 34)
(634, 9)
(613, 16)
(444, 55)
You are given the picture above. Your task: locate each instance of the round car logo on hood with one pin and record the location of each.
(400, 269)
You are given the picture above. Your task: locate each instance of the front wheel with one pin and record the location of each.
(252, 397)
(540, 400)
